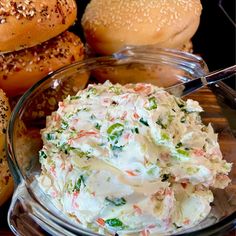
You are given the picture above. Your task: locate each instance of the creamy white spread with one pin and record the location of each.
(131, 158)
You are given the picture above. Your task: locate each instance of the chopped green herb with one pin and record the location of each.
(115, 131)
(74, 97)
(78, 183)
(165, 136)
(114, 222)
(135, 130)
(92, 117)
(50, 136)
(178, 145)
(184, 110)
(165, 177)
(170, 118)
(114, 103)
(81, 154)
(160, 122)
(69, 186)
(180, 102)
(181, 105)
(183, 119)
(176, 226)
(192, 170)
(66, 148)
(176, 157)
(92, 90)
(183, 152)
(68, 116)
(82, 109)
(152, 170)
(98, 126)
(115, 89)
(42, 154)
(227, 166)
(152, 104)
(144, 122)
(116, 201)
(116, 148)
(64, 125)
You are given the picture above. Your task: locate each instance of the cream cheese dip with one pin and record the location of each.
(122, 158)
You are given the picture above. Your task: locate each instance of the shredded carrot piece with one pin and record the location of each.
(83, 133)
(61, 104)
(142, 88)
(56, 117)
(137, 209)
(136, 116)
(100, 221)
(186, 221)
(124, 115)
(139, 87)
(131, 173)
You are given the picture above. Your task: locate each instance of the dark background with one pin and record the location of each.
(215, 38)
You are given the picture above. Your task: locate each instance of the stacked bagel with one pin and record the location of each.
(34, 41)
(6, 181)
(110, 25)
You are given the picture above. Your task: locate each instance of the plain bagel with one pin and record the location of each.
(21, 69)
(26, 23)
(109, 25)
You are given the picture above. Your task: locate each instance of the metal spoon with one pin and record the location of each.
(188, 87)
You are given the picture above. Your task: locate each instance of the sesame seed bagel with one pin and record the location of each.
(109, 25)
(21, 69)
(6, 181)
(26, 23)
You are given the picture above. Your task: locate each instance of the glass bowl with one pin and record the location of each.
(30, 212)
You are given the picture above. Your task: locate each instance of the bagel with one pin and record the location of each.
(110, 25)
(6, 180)
(27, 23)
(21, 69)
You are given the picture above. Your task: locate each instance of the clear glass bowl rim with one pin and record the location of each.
(140, 54)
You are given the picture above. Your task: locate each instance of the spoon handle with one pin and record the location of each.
(193, 85)
(219, 75)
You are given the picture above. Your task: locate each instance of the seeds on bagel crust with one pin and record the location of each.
(24, 9)
(6, 181)
(27, 9)
(15, 61)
